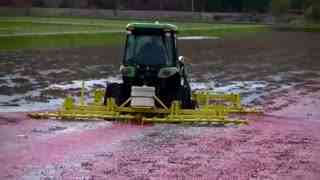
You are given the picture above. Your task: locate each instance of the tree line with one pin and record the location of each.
(179, 5)
(310, 7)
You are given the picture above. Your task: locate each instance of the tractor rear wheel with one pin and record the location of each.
(184, 96)
(113, 90)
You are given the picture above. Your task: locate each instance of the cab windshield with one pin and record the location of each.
(149, 49)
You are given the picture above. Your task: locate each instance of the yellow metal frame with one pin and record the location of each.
(227, 102)
(212, 108)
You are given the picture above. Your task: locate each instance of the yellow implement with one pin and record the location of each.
(212, 108)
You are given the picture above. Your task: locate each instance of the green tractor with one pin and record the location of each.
(151, 60)
(155, 87)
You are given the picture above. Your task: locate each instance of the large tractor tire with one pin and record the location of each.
(184, 96)
(113, 90)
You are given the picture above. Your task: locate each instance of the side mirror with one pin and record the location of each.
(181, 59)
(187, 67)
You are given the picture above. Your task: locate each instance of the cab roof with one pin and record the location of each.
(155, 25)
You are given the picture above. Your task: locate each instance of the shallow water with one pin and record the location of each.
(19, 103)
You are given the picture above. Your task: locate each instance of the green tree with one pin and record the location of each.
(280, 7)
(256, 6)
(214, 5)
(297, 4)
(313, 10)
(238, 5)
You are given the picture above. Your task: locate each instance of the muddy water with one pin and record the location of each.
(276, 70)
(256, 67)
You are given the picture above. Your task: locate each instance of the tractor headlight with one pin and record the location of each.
(128, 71)
(167, 72)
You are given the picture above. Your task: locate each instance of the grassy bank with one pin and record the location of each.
(31, 33)
(227, 31)
(59, 41)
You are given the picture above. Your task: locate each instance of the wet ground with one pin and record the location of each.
(279, 71)
(254, 66)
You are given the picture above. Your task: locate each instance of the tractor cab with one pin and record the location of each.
(150, 53)
(151, 60)
(151, 45)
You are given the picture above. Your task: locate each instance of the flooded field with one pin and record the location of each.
(254, 67)
(279, 71)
